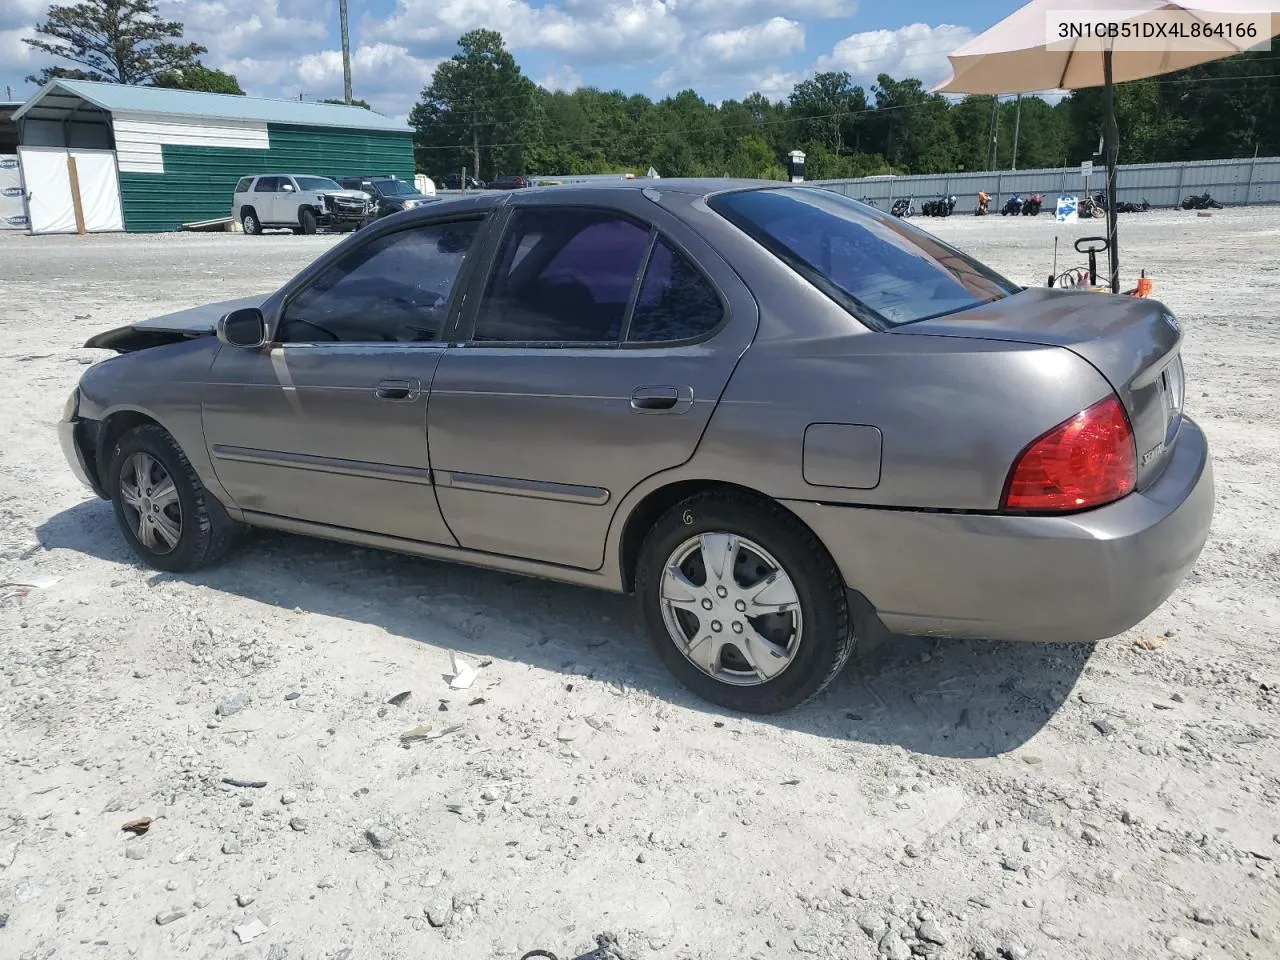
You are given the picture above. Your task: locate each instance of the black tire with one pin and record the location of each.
(250, 222)
(307, 220)
(206, 533)
(826, 638)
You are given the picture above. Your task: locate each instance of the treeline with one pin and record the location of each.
(480, 112)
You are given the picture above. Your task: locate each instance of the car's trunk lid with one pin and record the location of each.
(1132, 342)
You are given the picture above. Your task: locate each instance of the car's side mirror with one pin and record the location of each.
(287, 187)
(246, 327)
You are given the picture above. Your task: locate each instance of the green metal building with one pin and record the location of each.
(179, 153)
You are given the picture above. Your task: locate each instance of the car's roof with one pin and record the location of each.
(698, 188)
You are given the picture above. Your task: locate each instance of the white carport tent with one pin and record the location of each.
(68, 189)
(71, 190)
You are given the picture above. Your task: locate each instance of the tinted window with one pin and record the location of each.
(562, 276)
(394, 288)
(316, 183)
(676, 301)
(882, 270)
(268, 184)
(243, 185)
(394, 188)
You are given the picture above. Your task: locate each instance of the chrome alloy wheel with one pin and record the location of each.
(731, 609)
(150, 501)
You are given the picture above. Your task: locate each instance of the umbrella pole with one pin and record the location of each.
(1112, 135)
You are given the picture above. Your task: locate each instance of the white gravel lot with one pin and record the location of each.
(956, 799)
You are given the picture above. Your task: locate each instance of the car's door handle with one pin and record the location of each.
(397, 390)
(661, 399)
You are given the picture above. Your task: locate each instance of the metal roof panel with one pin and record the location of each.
(116, 97)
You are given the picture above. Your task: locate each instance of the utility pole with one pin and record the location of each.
(1017, 125)
(994, 131)
(346, 53)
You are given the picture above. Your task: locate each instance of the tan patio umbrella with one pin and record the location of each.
(1017, 56)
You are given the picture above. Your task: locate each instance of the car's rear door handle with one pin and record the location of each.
(662, 399)
(397, 390)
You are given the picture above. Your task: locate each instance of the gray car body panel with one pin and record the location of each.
(533, 462)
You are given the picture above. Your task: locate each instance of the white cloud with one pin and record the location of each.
(563, 77)
(710, 14)
(774, 38)
(626, 32)
(252, 29)
(378, 66)
(775, 84)
(21, 13)
(722, 54)
(918, 50)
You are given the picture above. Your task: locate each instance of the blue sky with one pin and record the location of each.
(721, 48)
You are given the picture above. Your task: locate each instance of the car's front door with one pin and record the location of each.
(593, 359)
(328, 422)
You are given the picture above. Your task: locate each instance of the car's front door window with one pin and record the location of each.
(395, 288)
(562, 276)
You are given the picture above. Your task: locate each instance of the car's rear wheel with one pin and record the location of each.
(307, 220)
(743, 603)
(250, 222)
(169, 519)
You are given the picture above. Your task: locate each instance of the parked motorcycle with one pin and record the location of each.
(1092, 207)
(1123, 206)
(1033, 205)
(903, 207)
(1201, 202)
(1012, 206)
(984, 204)
(941, 207)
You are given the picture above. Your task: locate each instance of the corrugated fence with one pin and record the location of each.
(1160, 184)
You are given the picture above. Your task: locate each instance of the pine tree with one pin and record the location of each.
(116, 41)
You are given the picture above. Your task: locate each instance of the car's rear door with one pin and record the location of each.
(264, 196)
(327, 424)
(593, 358)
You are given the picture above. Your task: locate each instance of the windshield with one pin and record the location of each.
(883, 271)
(317, 183)
(394, 188)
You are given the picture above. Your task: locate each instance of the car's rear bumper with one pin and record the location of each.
(1075, 578)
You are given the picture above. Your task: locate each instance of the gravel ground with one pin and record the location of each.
(949, 799)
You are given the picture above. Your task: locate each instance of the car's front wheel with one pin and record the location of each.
(167, 516)
(743, 603)
(307, 220)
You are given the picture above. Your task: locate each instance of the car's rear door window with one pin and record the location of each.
(268, 185)
(395, 288)
(884, 271)
(562, 275)
(676, 301)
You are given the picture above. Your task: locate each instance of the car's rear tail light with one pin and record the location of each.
(1088, 461)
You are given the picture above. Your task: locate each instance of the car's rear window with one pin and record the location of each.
(243, 185)
(883, 271)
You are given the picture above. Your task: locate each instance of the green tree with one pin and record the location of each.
(355, 102)
(199, 77)
(752, 158)
(828, 108)
(479, 110)
(116, 41)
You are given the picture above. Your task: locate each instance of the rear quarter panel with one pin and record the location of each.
(953, 414)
